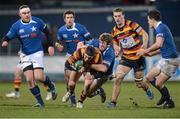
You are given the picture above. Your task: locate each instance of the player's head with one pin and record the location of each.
(153, 17)
(119, 16)
(105, 40)
(25, 13)
(89, 53)
(69, 17)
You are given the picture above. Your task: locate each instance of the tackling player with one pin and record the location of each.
(99, 73)
(89, 55)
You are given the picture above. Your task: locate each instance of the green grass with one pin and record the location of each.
(16, 108)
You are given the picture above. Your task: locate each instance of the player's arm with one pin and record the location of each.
(145, 38)
(5, 41)
(158, 44)
(141, 32)
(86, 36)
(152, 53)
(48, 34)
(9, 36)
(99, 67)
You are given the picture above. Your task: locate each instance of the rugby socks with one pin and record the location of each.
(164, 91)
(154, 82)
(17, 84)
(48, 83)
(36, 92)
(82, 97)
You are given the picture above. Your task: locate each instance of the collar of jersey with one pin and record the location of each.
(158, 23)
(73, 28)
(31, 21)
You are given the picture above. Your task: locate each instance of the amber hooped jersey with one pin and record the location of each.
(128, 39)
(79, 55)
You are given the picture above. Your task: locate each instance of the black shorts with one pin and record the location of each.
(68, 66)
(100, 77)
(137, 65)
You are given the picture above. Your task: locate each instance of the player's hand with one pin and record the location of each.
(59, 47)
(140, 52)
(4, 44)
(148, 54)
(79, 45)
(51, 51)
(82, 69)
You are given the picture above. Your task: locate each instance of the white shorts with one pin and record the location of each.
(19, 65)
(35, 59)
(168, 66)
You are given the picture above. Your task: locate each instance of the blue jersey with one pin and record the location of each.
(29, 34)
(71, 36)
(108, 56)
(168, 49)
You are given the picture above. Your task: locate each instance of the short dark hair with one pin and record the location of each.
(90, 51)
(106, 37)
(69, 12)
(154, 14)
(23, 6)
(118, 10)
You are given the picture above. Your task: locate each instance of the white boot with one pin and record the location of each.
(66, 97)
(14, 94)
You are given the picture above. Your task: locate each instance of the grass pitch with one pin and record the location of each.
(93, 108)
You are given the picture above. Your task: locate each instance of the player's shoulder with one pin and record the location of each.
(110, 49)
(36, 18)
(62, 28)
(130, 22)
(161, 27)
(16, 24)
(79, 26)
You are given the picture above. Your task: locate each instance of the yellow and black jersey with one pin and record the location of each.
(79, 55)
(127, 37)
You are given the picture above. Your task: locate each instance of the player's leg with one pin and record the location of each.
(29, 74)
(37, 60)
(17, 84)
(120, 74)
(87, 82)
(66, 77)
(140, 83)
(74, 77)
(49, 94)
(161, 79)
(96, 87)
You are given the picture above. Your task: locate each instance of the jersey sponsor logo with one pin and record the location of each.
(21, 31)
(65, 36)
(128, 42)
(33, 35)
(24, 36)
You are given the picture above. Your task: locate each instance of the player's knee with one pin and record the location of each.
(139, 82)
(120, 75)
(118, 81)
(71, 83)
(139, 75)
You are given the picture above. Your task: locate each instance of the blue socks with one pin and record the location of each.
(36, 92)
(48, 83)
